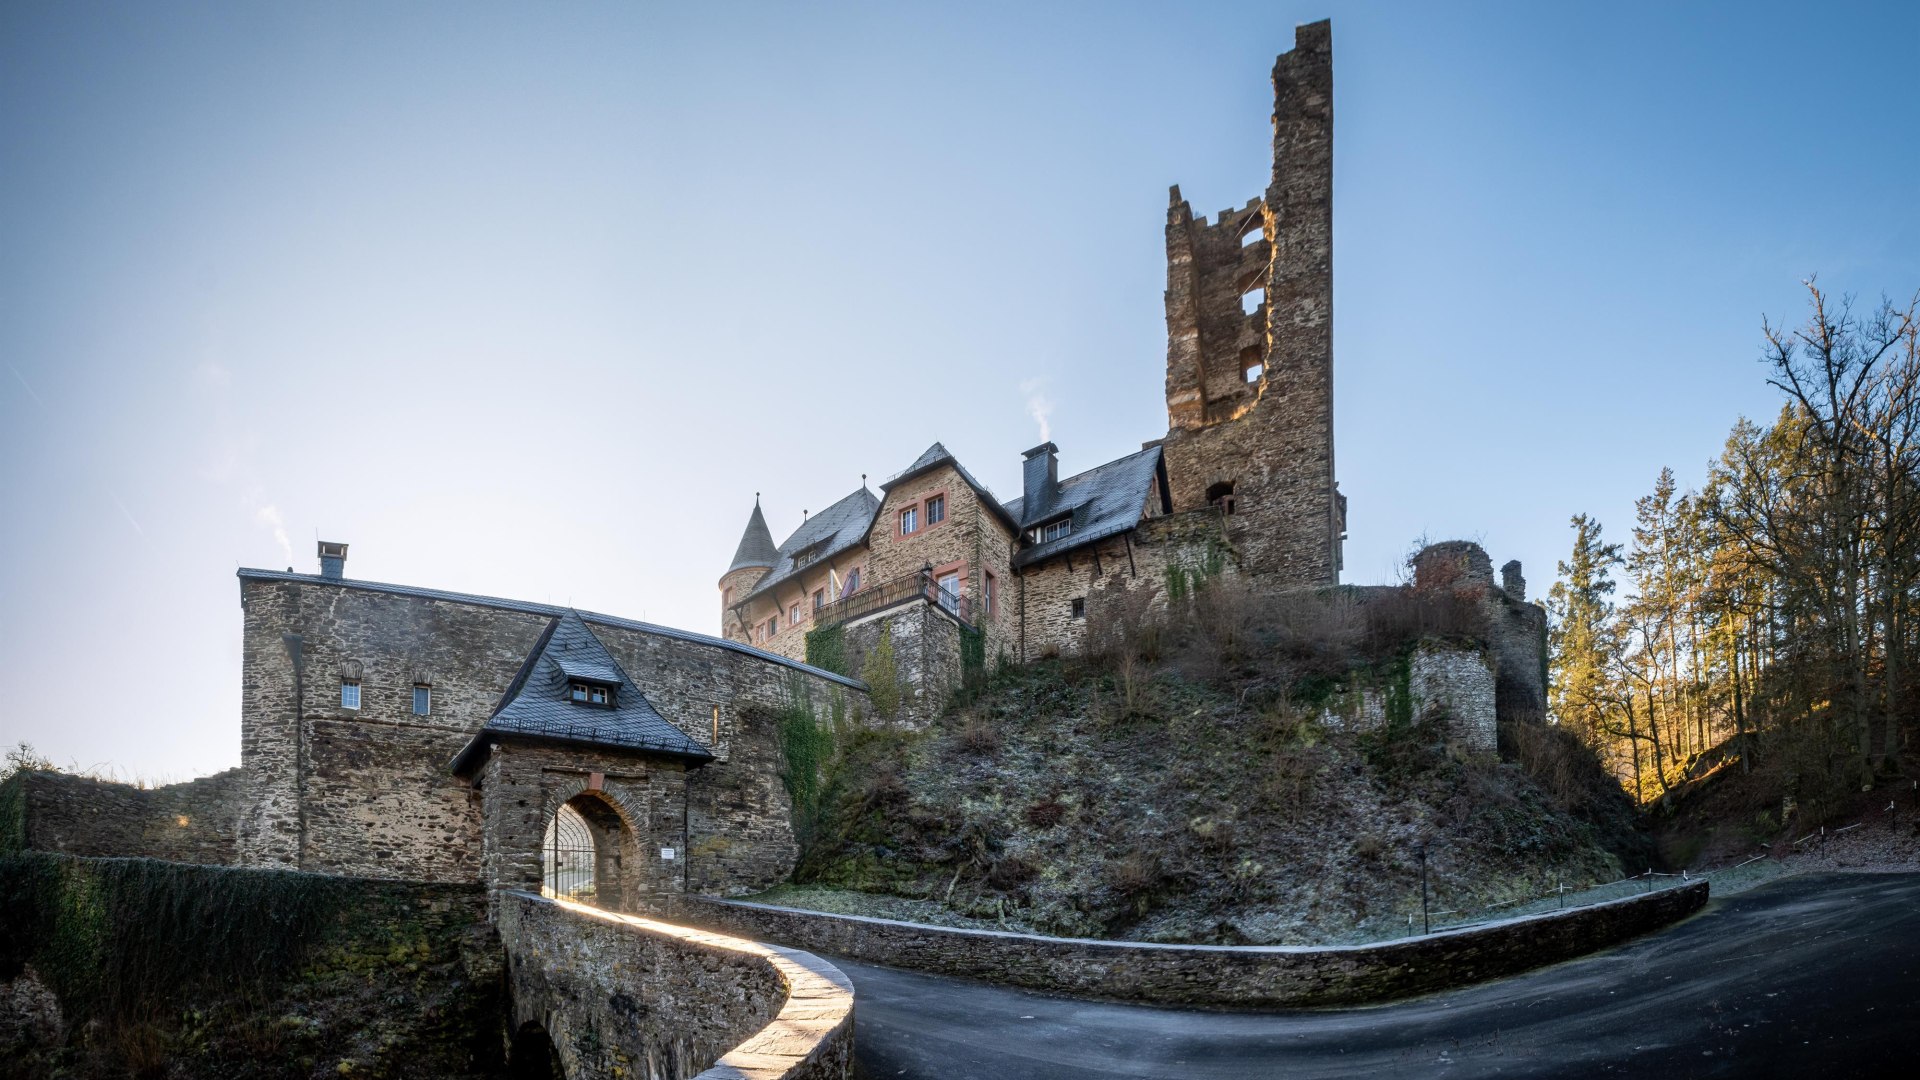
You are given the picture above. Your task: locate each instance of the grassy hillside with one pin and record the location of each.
(1186, 791)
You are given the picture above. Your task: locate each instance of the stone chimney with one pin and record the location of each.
(333, 560)
(1512, 583)
(1040, 481)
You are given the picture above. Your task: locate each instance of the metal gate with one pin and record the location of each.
(567, 857)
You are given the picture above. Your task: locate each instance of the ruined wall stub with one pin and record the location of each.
(1250, 395)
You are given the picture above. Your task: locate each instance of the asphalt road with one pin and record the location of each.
(1813, 976)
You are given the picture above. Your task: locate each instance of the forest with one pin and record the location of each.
(1765, 621)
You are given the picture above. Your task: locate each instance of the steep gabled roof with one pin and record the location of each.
(536, 705)
(756, 544)
(1104, 501)
(822, 536)
(937, 455)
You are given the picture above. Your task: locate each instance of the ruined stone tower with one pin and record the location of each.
(1250, 344)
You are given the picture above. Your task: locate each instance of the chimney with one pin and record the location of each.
(1040, 480)
(333, 560)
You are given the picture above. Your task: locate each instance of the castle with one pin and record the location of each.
(1242, 482)
(404, 732)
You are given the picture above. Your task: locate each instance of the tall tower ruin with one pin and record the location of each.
(1250, 343)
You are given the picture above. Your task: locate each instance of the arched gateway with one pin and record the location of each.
(582, 783)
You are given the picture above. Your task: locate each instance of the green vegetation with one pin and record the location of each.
(1770, 622)
(881, 673)
(827, 649)
(806, 745)
(167, 969)
(1185, 783)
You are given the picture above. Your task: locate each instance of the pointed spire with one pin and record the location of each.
(756, 544)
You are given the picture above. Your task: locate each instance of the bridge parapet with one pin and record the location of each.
(621, 995)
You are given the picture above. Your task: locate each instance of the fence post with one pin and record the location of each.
(1426, 924)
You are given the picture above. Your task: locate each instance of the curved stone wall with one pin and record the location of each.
(1234, 976)
(620, 995)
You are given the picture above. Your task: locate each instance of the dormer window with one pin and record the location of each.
(587, 693)
(1052, 530)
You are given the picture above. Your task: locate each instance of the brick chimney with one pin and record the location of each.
(1040, 480)
(333, 560)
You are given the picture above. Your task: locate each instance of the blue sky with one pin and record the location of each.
(529, 300)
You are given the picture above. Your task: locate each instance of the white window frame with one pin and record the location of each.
(909, 521)
(936, 510)
(350, 694)
(422, 693)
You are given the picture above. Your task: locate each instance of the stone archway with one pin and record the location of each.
(590, 851)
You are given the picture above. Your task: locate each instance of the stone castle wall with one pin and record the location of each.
(192, 822)
(369, 791)
(1117, 578)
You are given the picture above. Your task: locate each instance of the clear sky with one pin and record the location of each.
(530, 300)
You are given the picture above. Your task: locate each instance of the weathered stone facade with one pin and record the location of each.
(192, 822)
(368, 790)
(1456, 682)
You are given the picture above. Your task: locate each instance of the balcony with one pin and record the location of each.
(913, 588)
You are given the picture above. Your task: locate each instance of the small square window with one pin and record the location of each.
(909, 520)
(936, 509)
(349, 695)
(1079, 607)
(422, 699)
(598, 695)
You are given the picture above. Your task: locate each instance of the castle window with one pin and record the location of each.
(422, 699)
(349, 694)
(586, 693)
(936, 510)
(1251, 300)
(993, 595)
(819, 599)
(1254, 234)
(773, 627)
(909, 520)
(853, 582)
(1079, 609)
(1052, 531)
(1221, 495)
(793, 615)
(1252, 364)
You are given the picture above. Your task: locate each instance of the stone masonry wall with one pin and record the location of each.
(75, 815)
(1233, 976)
(1099, 573)
(369, 791)
(926, 653)
(1459, 682)
(620, 996)
(972, 540)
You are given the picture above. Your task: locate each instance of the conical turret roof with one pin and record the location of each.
(756, 544)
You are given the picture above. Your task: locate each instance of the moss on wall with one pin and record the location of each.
(170, 969)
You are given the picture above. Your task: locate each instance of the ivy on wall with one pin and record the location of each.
(827, 649)
(806, 745)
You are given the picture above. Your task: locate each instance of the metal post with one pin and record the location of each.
(1426, 925)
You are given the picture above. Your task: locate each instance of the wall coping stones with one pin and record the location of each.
(1233, 976)
(530, 608)
(810, 1036)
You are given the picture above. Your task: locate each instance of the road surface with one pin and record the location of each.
(1812, 976)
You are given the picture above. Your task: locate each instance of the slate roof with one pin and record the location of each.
(1104, 501)
(528, 607)
(937, 455)
(536, 705)
(756, 544)
(825, 534)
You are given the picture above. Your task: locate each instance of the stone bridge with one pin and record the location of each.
(599, 994)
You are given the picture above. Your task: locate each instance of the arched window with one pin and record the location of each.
(568, 858)
(1221, 495)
